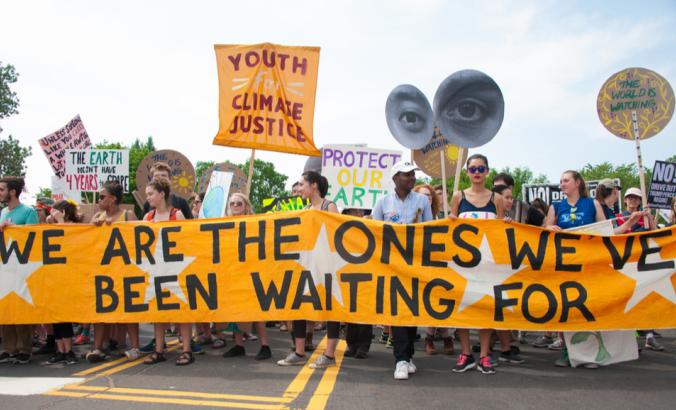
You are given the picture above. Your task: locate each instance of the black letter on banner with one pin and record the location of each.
(101, 291)
(244, 240)
(390, 237)
(353, 279)
(561, 250)
(313, 297)
(111, 251)
(448, 303)
(397, 288)
(476, 254)
(193, 283)
(647, 250)
(48, 247)
(500, 302)
(380, 294)
(21, 256)
(551, 300)
(429, 246)
(280, 239)
(619, 261)
(265, 297)
(340, 248)
(215, 239)
(535, 262)
(161, 294)
(129, 305)
(167, 244)
(328, 291)
(144, 246)
(566, 303)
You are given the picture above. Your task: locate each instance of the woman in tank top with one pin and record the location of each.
(476, 202)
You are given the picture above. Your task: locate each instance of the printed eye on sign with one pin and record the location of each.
(662, 185)
(358, 176)
(88, 169)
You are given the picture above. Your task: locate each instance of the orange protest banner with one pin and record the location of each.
(267, 97)
(320, 266)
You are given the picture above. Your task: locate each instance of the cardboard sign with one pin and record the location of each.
(640, 90)
(72, 136)
(267, 97)
(88, 170)
(215, 201)
(662, 185)
(238, 177)
(182, 173)
(358, 176)
(551, 193)
(428, 160)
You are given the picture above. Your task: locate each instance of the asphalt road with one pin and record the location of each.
(215, 382)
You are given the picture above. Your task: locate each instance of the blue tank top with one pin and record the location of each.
(468, 210)
(582, 213)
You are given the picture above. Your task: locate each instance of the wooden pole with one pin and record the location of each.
(251, 169)
(443, 181)
(639, 162)
(458, 169)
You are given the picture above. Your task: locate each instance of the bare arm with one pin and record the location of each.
(550, 220)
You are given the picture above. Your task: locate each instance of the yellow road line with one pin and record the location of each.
(129, 364)
(299, 382)
(65, 393)
(325, 387)
(177, 393)
(208, 403)
(100, 367)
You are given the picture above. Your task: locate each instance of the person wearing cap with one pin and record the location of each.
(607, 194)
(632, 219)
(403, 206)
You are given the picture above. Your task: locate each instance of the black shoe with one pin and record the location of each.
(235, 351)
(349, 353)
(45, 349)
(264, 353)
(57, 357)
(22, 358)
(361, 354)
(70, 358)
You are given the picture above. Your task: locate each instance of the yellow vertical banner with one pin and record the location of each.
(267, 96)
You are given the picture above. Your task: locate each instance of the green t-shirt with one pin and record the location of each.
(21, 215)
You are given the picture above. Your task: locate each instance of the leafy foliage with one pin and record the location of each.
(14, 156)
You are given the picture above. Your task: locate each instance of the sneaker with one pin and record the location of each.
(401, 370)
(283, 328)
(47, 348)
(70, 358)
(511, 356)
(293, 360)
(361, 354)
(563, 361)
(411, 367)
(556, 345)
(149, 348)
(429, 346)
(6, 357)
(388, 344)
(95, 356)
(264, 353)
(82, 339)
(322, 362)
(57, 357)
(464, 363)
(235, 351)
(591, 365)
(384, 337)
(22, 358)
(485, 366)
(543, 341)
(196, 348)
(657, 335)
(133, 353)
(652, 344)
(249, 337)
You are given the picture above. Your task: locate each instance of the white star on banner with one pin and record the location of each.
(13, 277)
(161, 268)
(481, 279)
(658, 281)
(321, 260)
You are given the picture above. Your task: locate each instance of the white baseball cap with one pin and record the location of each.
(402, 166)
(633, 191)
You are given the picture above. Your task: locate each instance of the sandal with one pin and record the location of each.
(185, 359)
(155, 357)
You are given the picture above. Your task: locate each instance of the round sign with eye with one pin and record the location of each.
(469, 108)
(409, 116)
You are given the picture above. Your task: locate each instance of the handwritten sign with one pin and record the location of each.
(182, 172)
(662, 185)
(61, 190)
(640, 90)
(238, 178)
(88, 169)
(428, 160)
(358, 176)
(72, 136)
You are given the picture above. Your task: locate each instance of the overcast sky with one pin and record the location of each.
(137, 68)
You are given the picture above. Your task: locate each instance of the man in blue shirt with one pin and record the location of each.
(16, 339)
(403, 207)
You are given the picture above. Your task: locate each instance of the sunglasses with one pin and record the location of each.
(477, 170)
(238, 203)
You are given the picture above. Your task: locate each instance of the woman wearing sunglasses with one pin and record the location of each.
(476, 202)
(239, 205)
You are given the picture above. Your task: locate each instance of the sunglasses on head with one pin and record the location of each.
(236, 203)
(477, 170)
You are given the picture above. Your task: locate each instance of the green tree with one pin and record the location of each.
(44, 193)
(13, 157)
(200, 168)
(627, 173)
(267, 183)
(9, 102)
